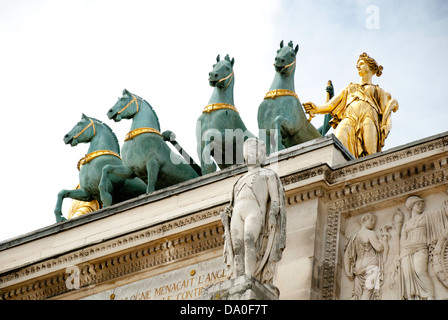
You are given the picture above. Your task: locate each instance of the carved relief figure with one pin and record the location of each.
(364, 260)
(391, 272)
(255, 220)
(361, 112)
(417, 235)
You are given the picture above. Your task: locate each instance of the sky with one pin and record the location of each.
(60, 59)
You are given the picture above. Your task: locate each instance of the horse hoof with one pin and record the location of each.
(106, 200)
(60, 218)
(208, 168)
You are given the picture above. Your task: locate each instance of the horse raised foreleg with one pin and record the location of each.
(77, 194)
(106, 186)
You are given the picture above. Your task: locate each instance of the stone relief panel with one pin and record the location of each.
(398, 252)
(364, 256)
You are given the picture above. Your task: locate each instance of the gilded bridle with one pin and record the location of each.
(289, 65)
(134, 99)
(224, 79)
(91, 124)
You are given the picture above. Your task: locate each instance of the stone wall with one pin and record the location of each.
(168, 245)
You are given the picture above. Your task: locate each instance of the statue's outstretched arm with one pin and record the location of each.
(327, 107)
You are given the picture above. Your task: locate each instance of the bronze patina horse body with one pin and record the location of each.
(282, 121)
(103, 150)
(145, 153)
(220, 131)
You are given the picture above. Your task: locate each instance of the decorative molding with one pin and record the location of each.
(352, 197)
(330, 256)
(146, 258)
(368, 189)
(153, 249)
(321, 170)
(387, 158)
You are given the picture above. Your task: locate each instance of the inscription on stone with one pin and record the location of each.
(186, 283)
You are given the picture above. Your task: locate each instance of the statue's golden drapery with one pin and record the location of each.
(78, 208)
(361, 117)
(361, 112)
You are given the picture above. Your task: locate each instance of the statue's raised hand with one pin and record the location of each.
(310, 108)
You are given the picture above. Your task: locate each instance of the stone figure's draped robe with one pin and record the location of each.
(417, 234)
(365, 265)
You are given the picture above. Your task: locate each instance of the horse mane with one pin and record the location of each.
(110, 130)
(150, 107)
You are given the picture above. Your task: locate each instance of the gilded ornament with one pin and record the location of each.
(218, 106)
(280, 93)
(134, 133)
(79, 208)
(89, 157)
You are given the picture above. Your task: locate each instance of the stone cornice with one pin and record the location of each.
(170, 241)
(421, 149)
(367, 180)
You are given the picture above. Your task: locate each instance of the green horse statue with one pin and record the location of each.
(220, 131)
(145, 153)
(104, 150)
(282, 121)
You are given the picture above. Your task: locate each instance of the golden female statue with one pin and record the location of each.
(361, 112)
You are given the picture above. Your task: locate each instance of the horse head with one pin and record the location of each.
(125, 108)
(82, 132)
(286, 58)
(222, 74)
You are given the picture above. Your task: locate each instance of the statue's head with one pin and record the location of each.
(222, 74)
(285, 59)
(368, 219)
(125, 108)
(411, 203)
(366, 63)
(82, 132)
(254, 151)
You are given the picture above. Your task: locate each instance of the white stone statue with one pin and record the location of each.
(255, 220)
